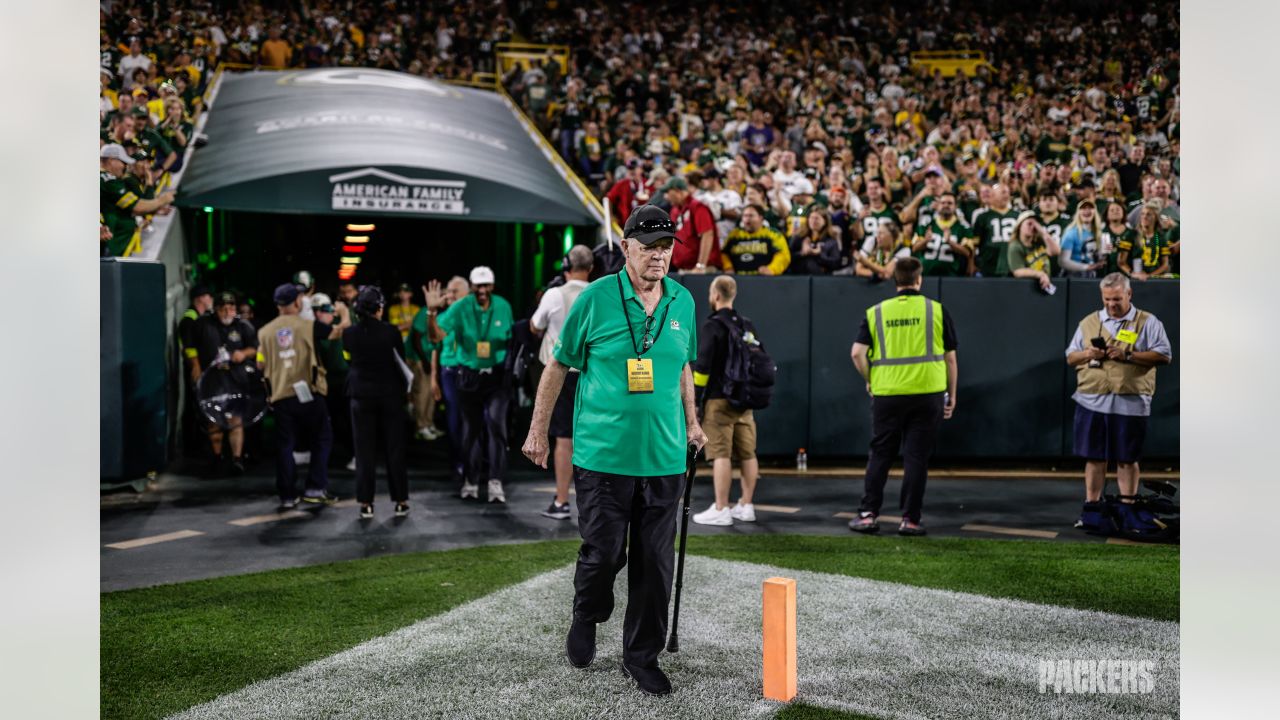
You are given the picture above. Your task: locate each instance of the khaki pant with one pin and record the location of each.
(730, 433)
(424, 403)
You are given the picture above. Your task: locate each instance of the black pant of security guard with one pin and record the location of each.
(620, 515)
(909, 422)
(379, 421)
(485, 397)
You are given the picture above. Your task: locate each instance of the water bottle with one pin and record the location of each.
(802, 460)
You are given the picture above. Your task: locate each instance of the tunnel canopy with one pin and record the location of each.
(364, 142)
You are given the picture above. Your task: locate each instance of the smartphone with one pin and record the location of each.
(1099, 343)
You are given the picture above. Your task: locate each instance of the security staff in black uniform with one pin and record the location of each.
(224, 343)
(377, 384)
(906, 350)
(201, 305)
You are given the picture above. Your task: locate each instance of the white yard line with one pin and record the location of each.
(888, 650)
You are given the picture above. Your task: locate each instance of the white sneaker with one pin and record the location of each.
(745, 513)
(430, 433)
(712, 516)
(352, 465)
(495, 492)
(469, 490)
(302, 458)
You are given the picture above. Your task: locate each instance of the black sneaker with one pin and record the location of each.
(402, 509)
(556, 511)
(237, 467)
(324, 500)
(652, 680)
(911, 528)
(287, 504)
(366, 512)
(580, 646)
(866, 522)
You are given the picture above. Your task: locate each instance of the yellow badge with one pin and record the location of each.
(640, 376)
(482, 350)
(1127, 336)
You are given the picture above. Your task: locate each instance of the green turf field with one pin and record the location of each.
(167, 648)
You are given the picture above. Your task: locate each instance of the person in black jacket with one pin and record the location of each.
(377, 384)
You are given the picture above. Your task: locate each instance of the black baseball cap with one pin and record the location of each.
(649, 224)
(199, 291)
(226, 298)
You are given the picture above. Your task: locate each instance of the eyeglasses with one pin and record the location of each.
(647, 341)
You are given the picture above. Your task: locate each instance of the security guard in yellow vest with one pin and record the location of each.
(906, 351)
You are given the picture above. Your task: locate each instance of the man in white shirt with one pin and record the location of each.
(131, 62)
(787, 178)
(725, 204)
(547, 321)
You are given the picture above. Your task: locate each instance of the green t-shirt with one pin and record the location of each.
(994, 230)
(1036, 257)
(617, 431)
(423, 352)
(937, 256)
(115, 203)
(875, 218)
(470, 325)
(1056, 227)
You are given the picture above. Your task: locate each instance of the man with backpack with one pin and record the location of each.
(733, 376)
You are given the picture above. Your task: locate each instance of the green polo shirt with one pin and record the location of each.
(417, 353)
(469, 325)
(616, 431)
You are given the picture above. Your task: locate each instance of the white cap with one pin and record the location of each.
(115, 151)
(801, 186)
(481, 275)
(320, 300)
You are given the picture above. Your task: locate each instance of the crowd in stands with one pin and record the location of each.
(803, 135)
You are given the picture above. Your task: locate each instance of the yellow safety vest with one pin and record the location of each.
(907, 356)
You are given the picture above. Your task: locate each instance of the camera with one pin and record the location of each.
(1101, 345)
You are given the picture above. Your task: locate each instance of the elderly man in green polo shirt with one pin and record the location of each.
(480, 324)
(633, 336)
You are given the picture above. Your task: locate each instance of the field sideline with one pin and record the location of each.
(169, 648)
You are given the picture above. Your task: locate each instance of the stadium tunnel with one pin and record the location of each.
(397, 178)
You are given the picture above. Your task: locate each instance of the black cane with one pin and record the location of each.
(673, 643)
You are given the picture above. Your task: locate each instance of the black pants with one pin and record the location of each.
(617, 515)
(484, 411)
(340, 413)
(379, 422)
(311, 422)
(909, 422)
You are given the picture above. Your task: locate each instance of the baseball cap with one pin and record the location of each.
(482, 275)
(405, 287)
(321, 302)
(140, 111)
(802, 187)
(285, 294)
(304, 278)
(116, 152)
(675, 183)
(649, 224)
(198, 291)
(225, 298)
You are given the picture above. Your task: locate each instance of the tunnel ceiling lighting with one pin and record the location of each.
(350, 261)
(353, 248)
(356, 238)
(208, 209)
(353, 227)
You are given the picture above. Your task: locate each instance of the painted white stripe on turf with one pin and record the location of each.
(888, 650)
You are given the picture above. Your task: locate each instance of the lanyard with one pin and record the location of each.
(478, 313)
(626, 314)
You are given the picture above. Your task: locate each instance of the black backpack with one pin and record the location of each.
(749, 372)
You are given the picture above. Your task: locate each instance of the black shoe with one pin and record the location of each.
(402, 509)
(556, 511)
(580, 646)
(866, 522)
(366, 512)
(237, 467)
(652, 680)
(287, 504)
(911, 528)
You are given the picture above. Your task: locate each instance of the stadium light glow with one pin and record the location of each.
(568, 239)
(350, 261)
(353, 248)
(208, 209)
(356, 238)
(353, 227)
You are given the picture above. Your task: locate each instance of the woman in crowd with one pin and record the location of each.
(816, 249)
(879, 254)
(1032, 251)
(1146, 252)
(1083, 253)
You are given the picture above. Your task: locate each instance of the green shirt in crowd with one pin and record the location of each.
(640, 434)
(994, 230)
(426, 347)
(937, 257)
(115, 203)
(471, 327)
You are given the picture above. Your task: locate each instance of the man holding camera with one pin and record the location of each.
(1115, 352)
